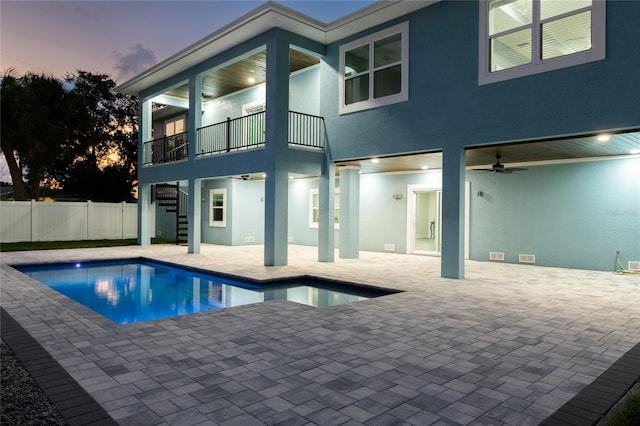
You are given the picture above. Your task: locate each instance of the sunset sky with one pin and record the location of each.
(120, 38)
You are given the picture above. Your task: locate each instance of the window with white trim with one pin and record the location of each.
(524, 37)
(374, 70)
(218, 207)
(314, 208)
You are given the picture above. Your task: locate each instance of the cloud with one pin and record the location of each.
(136, 60)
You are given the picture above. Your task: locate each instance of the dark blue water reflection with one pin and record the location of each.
(134, 291)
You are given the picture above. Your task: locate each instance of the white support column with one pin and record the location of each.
(144, 189)
(453, 175)
(276, 151)
(349, 241)
(194, 212)
(326, 212)
(144, 214)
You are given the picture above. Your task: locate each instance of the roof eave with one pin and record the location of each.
(267, 16)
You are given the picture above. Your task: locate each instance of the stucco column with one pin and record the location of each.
(194, 212)
(276, 150)
(144, 190)
(453, 175)
(194, 208)
(194, 118)
(349, 241)
(326, 212)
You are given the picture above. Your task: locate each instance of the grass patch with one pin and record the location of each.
(629, 413)
(57, 245)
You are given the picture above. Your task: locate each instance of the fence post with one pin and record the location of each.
(31, 214)
(89, 219)
(123, 208)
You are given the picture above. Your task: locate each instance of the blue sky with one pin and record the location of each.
(121, 38)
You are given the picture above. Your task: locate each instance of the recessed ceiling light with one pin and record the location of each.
(375, 160)
(251, 80)
(425, 167)
(635, 151)
(604, 138)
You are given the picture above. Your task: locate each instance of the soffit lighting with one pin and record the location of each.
(251, 80)
(425, 167)
(635, 151)
(604, 138)
(375, 160)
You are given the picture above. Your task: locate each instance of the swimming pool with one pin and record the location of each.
(136, 290)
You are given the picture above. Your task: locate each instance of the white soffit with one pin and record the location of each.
(265, 17)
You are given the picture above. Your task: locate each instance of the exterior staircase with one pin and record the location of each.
(174, 200)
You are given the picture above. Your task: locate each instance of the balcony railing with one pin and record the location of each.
(232, 135)
(166, 149)
(248, 132)
(306, 130)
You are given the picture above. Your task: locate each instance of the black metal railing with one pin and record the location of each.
(232, 135)
(307, 130)
(166, 149)
(249, 132)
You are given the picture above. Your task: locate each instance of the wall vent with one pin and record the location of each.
(634, 265)
(389, 247)
(496, 255)
(527, 258)
(249, 239)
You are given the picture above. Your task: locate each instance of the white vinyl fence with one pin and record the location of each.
(66, 221)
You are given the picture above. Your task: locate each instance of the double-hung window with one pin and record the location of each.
(314, 208)
(524, 37)
(374, 70)
(218, 207)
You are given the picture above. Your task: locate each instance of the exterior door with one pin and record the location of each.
(427, 229)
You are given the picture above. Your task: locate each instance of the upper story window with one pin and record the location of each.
(374, 70)
(524, 37)
(174, 126)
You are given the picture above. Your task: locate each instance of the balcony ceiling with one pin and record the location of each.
(522, 153)
(235, 76)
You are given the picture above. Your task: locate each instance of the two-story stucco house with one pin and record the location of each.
(367, 133)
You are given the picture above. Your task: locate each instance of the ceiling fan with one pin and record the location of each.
(498, 167)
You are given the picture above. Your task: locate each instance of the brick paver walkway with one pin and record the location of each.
(510, 344)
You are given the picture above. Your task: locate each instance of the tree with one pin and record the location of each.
(98, 160)
(34, 122)
(78, 134)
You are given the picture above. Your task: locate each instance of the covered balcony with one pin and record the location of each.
(233, 116)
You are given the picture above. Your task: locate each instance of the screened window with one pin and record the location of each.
(314, 208)
(523, 37)
(374, 70)
(218, 207)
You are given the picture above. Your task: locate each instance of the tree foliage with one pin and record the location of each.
(34, 118)
(77, 133)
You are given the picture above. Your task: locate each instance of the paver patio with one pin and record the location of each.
(510, 344)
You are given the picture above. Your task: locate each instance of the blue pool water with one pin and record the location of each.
(129, 291)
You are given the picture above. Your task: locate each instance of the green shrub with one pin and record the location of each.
(629, 413)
